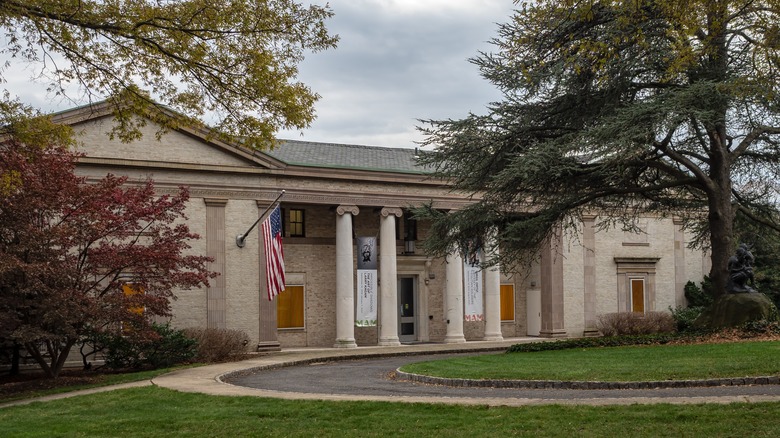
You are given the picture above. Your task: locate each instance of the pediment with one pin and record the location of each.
(175, 147)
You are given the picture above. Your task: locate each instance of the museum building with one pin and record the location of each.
(336, 194)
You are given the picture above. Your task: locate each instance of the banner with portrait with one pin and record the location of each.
(366, 309)
(472, 287)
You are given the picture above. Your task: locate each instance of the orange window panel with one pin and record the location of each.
(507, 302)
(290, 308)
(130, 289)
(638, 295)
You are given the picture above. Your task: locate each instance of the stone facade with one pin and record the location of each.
(578, 278)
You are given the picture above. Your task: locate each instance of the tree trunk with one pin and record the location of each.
(721, 215)
(59, 354)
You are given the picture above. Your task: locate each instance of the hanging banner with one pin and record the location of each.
(472, 282)
(365, 314)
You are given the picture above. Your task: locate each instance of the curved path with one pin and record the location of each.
(366, 374)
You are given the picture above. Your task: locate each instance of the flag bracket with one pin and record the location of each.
(241, 238)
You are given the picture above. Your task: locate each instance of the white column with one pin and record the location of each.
(388, 274)
(345, 278)
(492, 294)
(454, 301)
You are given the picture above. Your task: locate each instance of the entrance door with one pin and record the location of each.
(407, 304)
(534, 311)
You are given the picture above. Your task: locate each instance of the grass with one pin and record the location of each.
(153, 412)
(619, 364)
(95, 382)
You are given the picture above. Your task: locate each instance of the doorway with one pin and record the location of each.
(533, 312)
(407, 305)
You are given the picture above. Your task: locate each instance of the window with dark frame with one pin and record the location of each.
(297, 228)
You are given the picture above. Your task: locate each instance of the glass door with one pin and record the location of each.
(407, 303)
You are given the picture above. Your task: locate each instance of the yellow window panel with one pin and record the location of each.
(507, 302)
(290, 308)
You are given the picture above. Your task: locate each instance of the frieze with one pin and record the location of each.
(315, 198)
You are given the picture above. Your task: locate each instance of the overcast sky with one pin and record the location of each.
(397, 61)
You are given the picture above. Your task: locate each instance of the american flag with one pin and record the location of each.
(274, 254)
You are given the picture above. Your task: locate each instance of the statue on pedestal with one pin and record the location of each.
(741, 271)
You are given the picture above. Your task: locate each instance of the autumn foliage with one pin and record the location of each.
(68, 246)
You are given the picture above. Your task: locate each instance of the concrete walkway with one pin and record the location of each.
(209, 380)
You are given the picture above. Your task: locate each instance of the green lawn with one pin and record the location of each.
(635, 363)
(100, 380)
(158, 412)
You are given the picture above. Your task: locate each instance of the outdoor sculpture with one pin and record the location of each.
(741, 271)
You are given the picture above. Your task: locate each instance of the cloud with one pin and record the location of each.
(399, 61)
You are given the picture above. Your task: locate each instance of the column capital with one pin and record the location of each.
(342, 209)
(395, 211)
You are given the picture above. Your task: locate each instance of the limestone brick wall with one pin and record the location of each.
(318, 266)
(573, 285)
(173, 146)
(242, 269)
(437, 325)
(657, 242)
(189, 308)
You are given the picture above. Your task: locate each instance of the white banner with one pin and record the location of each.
(365, 313)
(472, 290)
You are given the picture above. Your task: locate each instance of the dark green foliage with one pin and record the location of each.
(699, 296)
(763, 327)
(685, 316)
(621, 111)
(605, 341)
(170, 347)
(764, 244)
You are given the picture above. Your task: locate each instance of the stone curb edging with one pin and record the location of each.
(559, 384)
(224, 378)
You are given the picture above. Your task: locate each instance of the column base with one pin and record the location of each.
(268, 346)
(559, 333)
(345, 343)
(389, 342)
(457, 339)
(591, 333)
(493, 337)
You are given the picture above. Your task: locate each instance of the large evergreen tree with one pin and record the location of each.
(619, 108)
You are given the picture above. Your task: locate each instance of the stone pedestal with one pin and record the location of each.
(733, 310)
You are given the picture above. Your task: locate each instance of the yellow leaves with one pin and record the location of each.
(234, 58)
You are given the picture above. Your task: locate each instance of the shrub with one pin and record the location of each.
(173, 347)
(218, 345)
(685, 316)
(170, 347)
(699, 296)
(634, 323)
(611, 341)
(762, 327)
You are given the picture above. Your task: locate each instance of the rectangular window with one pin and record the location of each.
(508, 302)
(130, 289)
(290, 308)
(638, 295)
(297, 223)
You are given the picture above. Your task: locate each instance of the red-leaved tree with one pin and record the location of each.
(67, 248)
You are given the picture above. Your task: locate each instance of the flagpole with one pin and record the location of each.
(241, 237)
